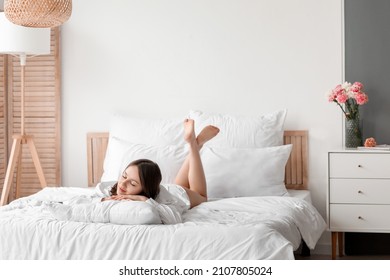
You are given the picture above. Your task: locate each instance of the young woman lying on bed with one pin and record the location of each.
(140, 181)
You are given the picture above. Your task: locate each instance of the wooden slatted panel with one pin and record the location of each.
(42, 114)
(96, 151)
(3, 120)
(295, 172)
(296, 167)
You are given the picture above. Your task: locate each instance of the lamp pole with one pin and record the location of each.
(23, 59)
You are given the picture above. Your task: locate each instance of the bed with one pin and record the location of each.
(236, 223)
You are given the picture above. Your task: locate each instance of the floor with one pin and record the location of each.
(355, 257)
(377, 250)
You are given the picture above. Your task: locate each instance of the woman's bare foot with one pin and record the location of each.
(189, 131)
(207, 133)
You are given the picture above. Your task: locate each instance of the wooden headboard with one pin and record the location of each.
(296, 168)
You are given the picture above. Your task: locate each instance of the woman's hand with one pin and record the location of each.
(126, 197)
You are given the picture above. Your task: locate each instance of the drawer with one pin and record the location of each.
(359, 218)
(359, 165)
(365, 191)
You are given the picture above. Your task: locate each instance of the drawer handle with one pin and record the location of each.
(360, 192)
(360, 218)
(360, 165)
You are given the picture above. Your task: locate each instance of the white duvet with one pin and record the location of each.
(233, 228)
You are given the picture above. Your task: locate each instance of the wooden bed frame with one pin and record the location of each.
(296, 168)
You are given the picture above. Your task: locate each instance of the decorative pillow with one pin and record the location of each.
(156, 132)
(120, 153)
(242, 131)
(234, 172)
(115, 212)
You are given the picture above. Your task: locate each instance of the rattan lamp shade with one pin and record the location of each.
(38, 13)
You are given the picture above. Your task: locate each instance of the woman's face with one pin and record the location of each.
(129, 182)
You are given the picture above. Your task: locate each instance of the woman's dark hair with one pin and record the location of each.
(149, 175)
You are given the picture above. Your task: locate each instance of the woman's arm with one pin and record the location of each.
(126, 197)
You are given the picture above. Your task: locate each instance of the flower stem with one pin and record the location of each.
(345, 113)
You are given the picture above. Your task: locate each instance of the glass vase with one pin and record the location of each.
(353, 133)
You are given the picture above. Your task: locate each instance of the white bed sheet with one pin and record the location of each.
(234, 228)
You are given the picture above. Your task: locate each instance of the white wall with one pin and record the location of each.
(161, 58)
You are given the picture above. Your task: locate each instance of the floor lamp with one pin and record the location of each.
(22, 42)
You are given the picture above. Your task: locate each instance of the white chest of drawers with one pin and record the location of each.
(358, 198)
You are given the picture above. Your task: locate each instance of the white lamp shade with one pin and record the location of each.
(20, 40)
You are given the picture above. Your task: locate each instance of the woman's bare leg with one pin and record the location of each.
(191, 176)
(207, 133)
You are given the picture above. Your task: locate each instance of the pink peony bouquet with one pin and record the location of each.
(349, 95)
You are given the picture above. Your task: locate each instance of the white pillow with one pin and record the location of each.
(120, 153)
(113, 160)
(134, 213)
(234, 172)
(243, 131)
(156, 132)
(115, 212)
